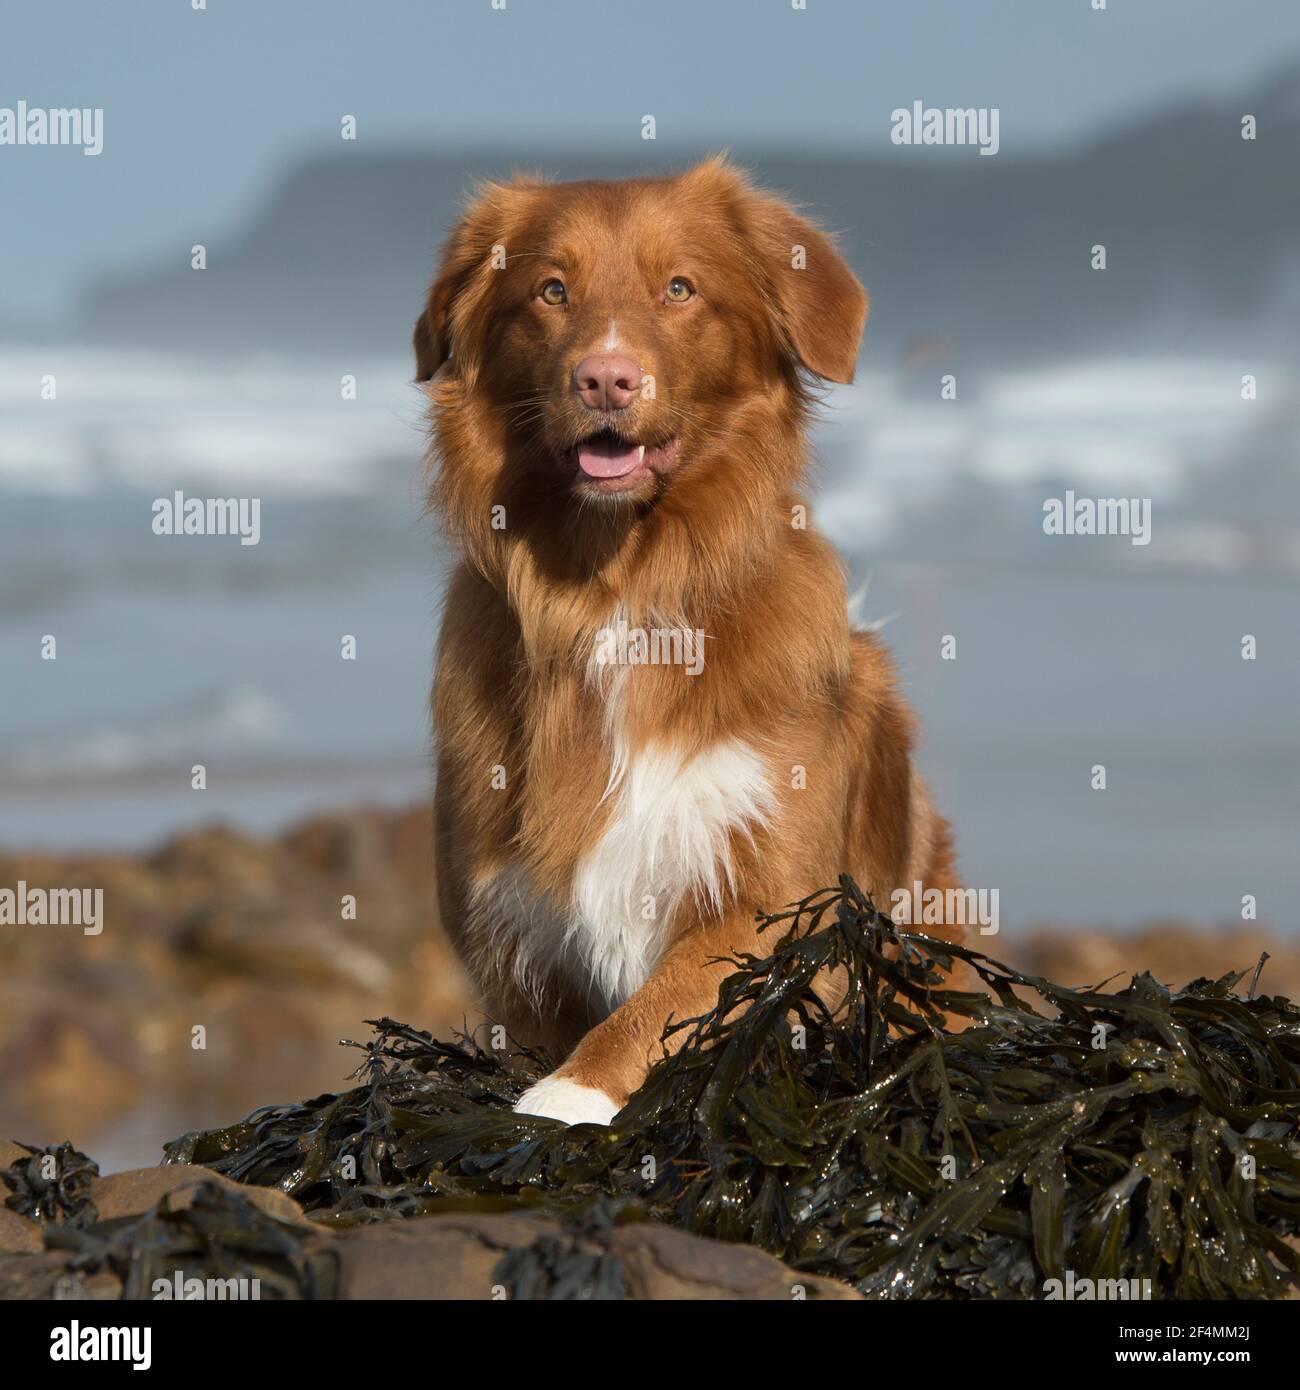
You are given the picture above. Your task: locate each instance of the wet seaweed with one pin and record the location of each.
(574, 1264)
(1143, 1133)
(52, 1185)
(217, 1237)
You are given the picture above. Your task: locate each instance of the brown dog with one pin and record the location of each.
(653, 716)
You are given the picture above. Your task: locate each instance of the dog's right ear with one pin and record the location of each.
(461, 258)
(445, 327)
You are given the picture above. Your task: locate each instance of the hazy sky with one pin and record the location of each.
(203, 110)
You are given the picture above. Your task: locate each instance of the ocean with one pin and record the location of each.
(1067, 652)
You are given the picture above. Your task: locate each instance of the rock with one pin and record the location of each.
(426, 1257)
(11, 1153)
(662, 1263)
(75, 1067)
(266, 941)
(222, 858)
(47, 1276)
(456, 1256)
(351, 844)
(1173, 952)
(17, 1233)
(135, 1191)
(412, 847)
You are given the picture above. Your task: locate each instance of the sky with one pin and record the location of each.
(205, 109)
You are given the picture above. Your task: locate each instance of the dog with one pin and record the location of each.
(653, 719)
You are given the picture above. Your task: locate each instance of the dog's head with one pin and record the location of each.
(607, 336)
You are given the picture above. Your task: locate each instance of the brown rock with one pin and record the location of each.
(73, 1068)
(135, 1191)
(11, 1153)
(222, 859)
(449, 1257)
(47, 1276)
(412, 846)
(17, 1233)
(349, 844)
(263, 941)
(1173, 952)
(660, 1262)
(456, 1256)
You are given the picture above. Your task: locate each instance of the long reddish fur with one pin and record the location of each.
(718, 546)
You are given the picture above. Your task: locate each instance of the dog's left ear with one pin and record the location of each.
(818, 302)
(821, 303)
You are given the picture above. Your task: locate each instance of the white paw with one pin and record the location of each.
(566, 1100)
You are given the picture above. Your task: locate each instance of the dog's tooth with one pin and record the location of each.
(640, 454)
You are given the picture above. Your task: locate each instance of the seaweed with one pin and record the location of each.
(218, 1236)
(576, 1263)
(1138, 1134)
(53, 1185)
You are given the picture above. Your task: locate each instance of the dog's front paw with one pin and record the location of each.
(561, 1099)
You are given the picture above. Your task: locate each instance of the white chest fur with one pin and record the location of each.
(667, 838)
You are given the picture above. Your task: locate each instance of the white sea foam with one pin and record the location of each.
(136, 419)
(148, 420)
(236, 723)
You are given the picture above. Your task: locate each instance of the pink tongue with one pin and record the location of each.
(607, 458)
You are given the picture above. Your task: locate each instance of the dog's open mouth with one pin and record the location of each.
(606, 457)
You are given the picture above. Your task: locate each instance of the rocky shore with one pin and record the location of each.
(179, 1213)
(229, 966)
(227, 970)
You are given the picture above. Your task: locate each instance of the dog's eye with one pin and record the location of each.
(678, 291)
(553, 292)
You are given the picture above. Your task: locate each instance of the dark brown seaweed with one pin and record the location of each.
(1141, 1134)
